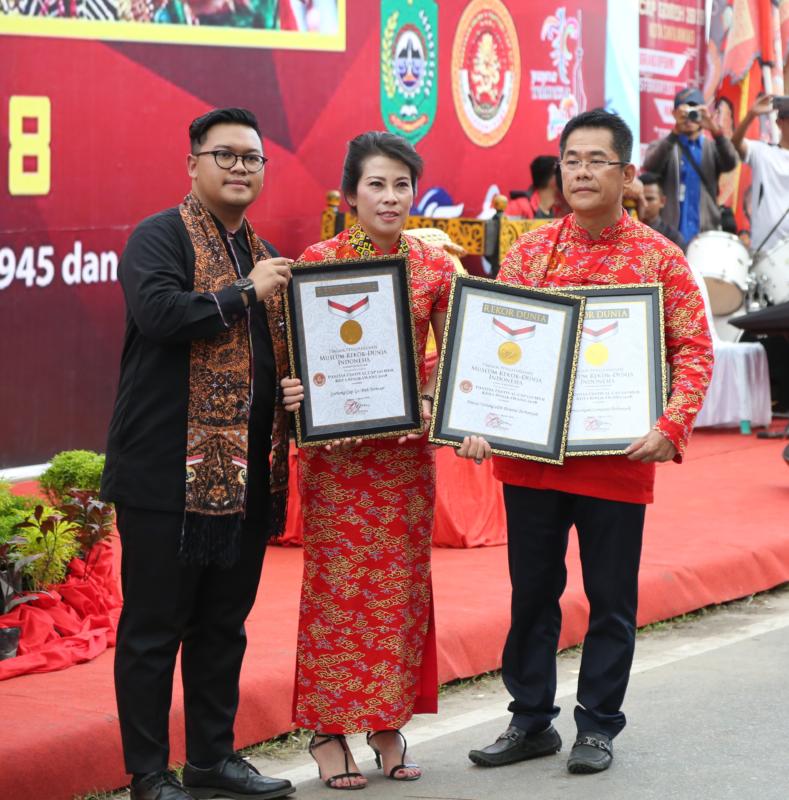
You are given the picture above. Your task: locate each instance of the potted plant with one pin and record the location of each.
(72, 469)
(48, 535)
(91, 521)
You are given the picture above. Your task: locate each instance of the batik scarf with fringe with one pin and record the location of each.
(220, 398)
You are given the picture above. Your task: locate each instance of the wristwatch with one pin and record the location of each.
(247, 287)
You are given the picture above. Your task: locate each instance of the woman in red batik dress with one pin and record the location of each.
(366, 658)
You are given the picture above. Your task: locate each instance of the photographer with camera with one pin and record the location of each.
(688, 165)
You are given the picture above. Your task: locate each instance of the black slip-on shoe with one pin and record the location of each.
(162, 785)
(233, 778)
(517, 745)
(592, 752)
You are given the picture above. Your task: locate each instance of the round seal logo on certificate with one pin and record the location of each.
(486, 71)
(466, 386)
(319, 379)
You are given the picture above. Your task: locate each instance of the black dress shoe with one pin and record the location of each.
(158, 786)
(517, 745)
(233, 778)
(592, 752)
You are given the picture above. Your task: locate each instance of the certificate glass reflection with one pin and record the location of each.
(507, 367)
(351, 339)
(620, 384)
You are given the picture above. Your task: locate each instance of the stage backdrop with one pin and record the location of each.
(96, 97)
(671, 57)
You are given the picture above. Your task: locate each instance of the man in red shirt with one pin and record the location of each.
(603, 496)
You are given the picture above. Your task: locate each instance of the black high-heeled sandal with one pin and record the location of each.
(379, 760)
(330, 782)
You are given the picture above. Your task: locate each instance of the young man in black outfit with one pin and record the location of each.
(653, 203)
(197, 418)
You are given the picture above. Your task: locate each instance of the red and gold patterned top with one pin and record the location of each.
(564, 254)
(431, 275)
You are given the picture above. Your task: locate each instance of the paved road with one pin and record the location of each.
(708, 704)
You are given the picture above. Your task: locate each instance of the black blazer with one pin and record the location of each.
(146, 447)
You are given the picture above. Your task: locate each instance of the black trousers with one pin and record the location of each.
(167, 605)
(609, 534)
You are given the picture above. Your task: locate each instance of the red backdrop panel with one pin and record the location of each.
(119, 116)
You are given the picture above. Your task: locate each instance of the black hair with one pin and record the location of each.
(543, 168)
(649, 179)
(378, 143)
(621, 134)
(199, 128)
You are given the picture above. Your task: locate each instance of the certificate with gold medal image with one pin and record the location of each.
(351, 341)
(507, 367)
(620, 384)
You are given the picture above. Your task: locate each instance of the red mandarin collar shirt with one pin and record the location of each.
(563, 254)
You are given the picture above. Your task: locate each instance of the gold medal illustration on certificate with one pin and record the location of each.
(510, 352)
(595, 352)
(351, 331)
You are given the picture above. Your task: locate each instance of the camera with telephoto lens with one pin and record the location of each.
(694, 115)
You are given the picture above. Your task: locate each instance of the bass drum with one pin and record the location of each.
(723, 261)
(723, 330)
(772, 273)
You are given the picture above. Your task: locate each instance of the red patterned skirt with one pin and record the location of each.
(366, 656)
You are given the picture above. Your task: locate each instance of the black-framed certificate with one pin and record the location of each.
(507, 367)
(351, 341)
(620, 384)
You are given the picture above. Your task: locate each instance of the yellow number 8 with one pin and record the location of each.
(29, 156)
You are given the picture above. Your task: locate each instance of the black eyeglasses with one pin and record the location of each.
(595, 165)
(226, 160)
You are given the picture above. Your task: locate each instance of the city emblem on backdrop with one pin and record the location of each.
(409, 66)
(486, 71)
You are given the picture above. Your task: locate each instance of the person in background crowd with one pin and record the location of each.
(605, 497)
(543, 199)
(197, 416)
(769, 217)
(691, 191)
(366, 657)
(770, 167)
(653, 201)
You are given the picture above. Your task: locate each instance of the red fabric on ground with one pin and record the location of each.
(717, 531)
(71, 624)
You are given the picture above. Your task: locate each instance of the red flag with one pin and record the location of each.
(742, 49)
(750, 37)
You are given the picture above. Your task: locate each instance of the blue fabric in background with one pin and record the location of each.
(690, 207)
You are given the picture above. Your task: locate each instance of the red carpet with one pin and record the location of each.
(717, 531)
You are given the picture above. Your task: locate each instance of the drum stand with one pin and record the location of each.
(784, 434)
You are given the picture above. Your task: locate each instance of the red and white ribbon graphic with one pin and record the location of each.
(598, 334)
(513, 334)
(349, 312)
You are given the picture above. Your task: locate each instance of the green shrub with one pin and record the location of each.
(48, 535)
(72, 469)
(13, 509)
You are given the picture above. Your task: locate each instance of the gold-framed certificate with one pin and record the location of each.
(620, 384)
(351, 341)
(507, 368)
